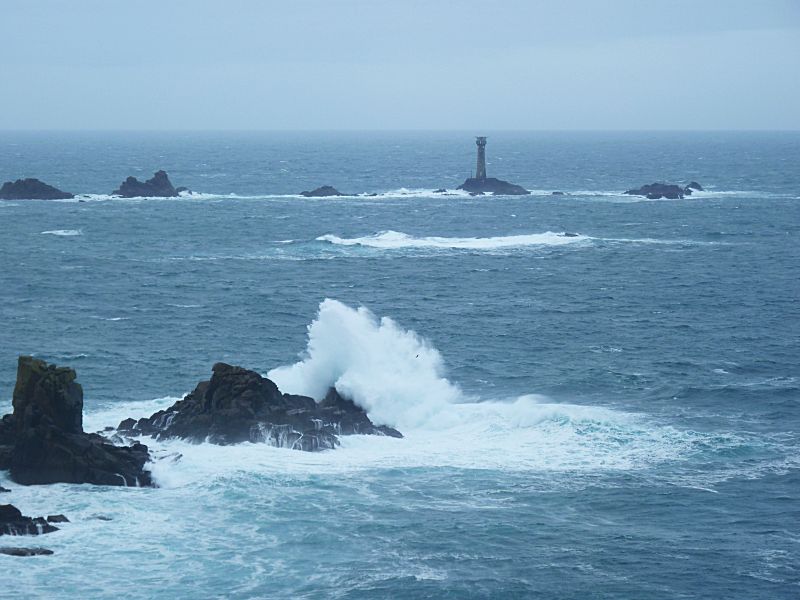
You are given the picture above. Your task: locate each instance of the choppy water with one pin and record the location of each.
(613, 414)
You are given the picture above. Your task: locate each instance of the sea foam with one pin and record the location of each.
(396, 240)
(394, 374)
(63, 232)
(399, 378)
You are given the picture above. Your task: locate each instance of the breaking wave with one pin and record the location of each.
(395, 239)
(63, 232)
(400, 379)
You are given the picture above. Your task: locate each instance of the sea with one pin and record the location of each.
(609, 414)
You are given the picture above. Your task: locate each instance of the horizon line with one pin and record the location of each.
(410, 130)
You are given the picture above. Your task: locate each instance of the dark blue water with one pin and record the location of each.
(623, 413)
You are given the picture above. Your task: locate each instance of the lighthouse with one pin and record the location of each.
(480, 171)
(481, 184)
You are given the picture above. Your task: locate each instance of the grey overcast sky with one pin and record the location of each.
(400, 64)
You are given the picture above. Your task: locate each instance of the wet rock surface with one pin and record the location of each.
(12, 522)
(238, 405)
(43, 440)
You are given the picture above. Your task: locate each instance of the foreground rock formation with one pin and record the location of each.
(238, 405)
(492, 185)
(322, 192)
(158, 186)
(31, 189)
(43, 440)
(654, 191)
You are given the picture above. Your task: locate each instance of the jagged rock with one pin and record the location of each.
(12, 551)
(31, 189)
(12, 522)
(47, 391)
(322, 192)
(4, 490)
(558, 194)
(654, 191)
(440, 191)
(238, 405)
(570, 234)
(43, 440)
(158, 186)
(492, 185)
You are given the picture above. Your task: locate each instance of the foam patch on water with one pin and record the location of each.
(63, 232)
(397, 240)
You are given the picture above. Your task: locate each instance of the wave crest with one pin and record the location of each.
(396, 240)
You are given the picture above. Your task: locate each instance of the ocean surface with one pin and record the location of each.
(609, 415)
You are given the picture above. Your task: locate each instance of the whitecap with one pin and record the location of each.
(397, 240)
(63, 232)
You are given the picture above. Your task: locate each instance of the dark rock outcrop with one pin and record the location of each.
(43, 440)
(4, 490)
(492, 185)
(558, 194)
(57, 519)
(14, 551)
(158, 186)
(238, 405)
(12, 522)
(323, 192)
(654, 191)
(31, 189)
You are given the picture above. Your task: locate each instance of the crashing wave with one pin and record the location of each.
(395, 240)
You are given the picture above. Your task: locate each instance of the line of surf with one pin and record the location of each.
(396, 240)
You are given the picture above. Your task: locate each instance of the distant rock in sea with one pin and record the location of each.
(238, 405)
(158, 186)
(322, 192)
(31, 189)
(492, 185)
(654, 191)
(43, 440)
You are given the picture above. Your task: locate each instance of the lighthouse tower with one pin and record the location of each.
(480, 171)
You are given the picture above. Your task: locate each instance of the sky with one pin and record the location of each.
(400, 64)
